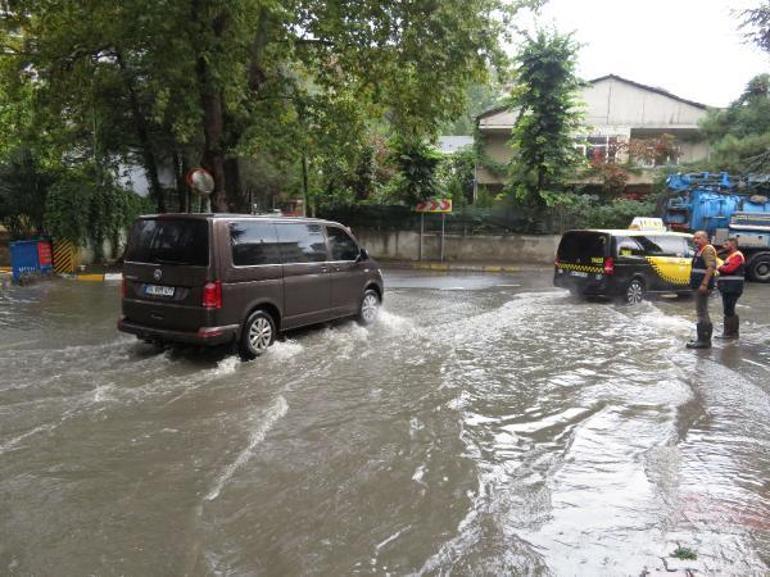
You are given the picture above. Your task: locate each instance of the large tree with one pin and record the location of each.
(206, 81)
(756, 24)
(740, 133)
(544, 99)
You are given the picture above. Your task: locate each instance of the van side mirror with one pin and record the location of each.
(363, 255)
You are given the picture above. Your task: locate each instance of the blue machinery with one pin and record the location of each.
(724, 206)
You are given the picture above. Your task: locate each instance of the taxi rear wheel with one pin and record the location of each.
(634, 292)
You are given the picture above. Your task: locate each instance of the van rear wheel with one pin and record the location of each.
(634, 292)
(257, 335)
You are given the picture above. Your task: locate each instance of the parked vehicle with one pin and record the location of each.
(725, 206)
(209, 279)
(624, 263)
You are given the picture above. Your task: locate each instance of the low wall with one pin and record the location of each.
(515, 248)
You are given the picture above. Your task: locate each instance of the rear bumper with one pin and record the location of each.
(594, 284)
(203, 336)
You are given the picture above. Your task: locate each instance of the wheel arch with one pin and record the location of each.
(269, 307)
(375, 287)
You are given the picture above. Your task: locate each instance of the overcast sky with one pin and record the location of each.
(691, 48)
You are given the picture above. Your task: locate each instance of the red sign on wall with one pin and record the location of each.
(437, 205)
(44, 253)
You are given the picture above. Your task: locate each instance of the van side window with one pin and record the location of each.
(627, 246)
(664, 245)
(343, 247)
(254, 243)
(302, 242)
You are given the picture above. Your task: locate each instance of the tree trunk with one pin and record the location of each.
(140, 124)
(213, 108)
(213, 155)
(233, 185)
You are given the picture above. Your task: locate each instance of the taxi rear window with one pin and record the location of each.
(583, 246)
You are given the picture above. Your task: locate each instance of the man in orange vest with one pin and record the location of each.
(730, 284)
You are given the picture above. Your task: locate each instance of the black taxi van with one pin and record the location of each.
(624, 263)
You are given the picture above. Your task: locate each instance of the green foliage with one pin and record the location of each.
(206, 82)
(24, 184)
(417, 163)
(740, 134)
(684, 553)
(587, 211)
(756, 23)
(78, 209)
(548, 117)
(456, 174)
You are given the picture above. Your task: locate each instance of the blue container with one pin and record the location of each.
(30, 258)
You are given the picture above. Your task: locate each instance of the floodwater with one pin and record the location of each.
(486, 425)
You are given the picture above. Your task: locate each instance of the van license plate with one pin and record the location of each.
(579, 273)
(159, 291)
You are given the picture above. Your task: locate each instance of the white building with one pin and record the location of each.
(616, 110)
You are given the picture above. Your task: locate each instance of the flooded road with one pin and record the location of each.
(486, 425)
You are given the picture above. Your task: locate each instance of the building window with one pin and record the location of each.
(599, 149)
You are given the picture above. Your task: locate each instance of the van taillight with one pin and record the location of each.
(609, 265)
(212, 295)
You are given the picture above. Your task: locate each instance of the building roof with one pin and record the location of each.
(650, 88)
(451, 144)
(502, 107)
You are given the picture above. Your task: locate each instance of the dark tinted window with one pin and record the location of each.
(663, 245)
(583, 246)
(254, 242)
(161, 241)
(342, 246)
(302, 242)
(628, 246)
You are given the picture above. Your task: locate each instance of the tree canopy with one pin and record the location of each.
(182, 83)
(547, 115)
(740, 134)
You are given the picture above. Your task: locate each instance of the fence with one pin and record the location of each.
(469, 221)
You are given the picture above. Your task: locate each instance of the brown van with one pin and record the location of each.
(211, 279)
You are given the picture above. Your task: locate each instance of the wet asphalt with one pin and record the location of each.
(486, 425)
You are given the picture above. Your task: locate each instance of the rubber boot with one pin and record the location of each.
(703, 341)
(730, 330)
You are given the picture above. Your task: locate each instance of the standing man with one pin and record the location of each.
(704, 266)
(730, 284)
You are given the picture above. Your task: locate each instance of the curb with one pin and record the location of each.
(461, 267)
(98, 277)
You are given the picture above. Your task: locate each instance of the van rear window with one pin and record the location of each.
(582, 246)
(169, 241)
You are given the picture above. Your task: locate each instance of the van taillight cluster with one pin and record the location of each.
(212, 295)
(609, 265)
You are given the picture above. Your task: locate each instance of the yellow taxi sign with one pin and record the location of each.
(647, 223)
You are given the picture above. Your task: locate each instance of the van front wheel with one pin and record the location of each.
(634, 292)
(370, 307)
(257, 335)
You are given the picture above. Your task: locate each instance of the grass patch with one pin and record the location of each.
(684, 553)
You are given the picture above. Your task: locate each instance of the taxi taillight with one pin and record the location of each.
(212, 295)
(609, 265)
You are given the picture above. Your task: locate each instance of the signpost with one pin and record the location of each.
(201, 181)
(437, 205)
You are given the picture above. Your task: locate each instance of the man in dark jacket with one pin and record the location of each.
(704, 266)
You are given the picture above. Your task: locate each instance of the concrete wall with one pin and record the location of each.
(517, 249)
